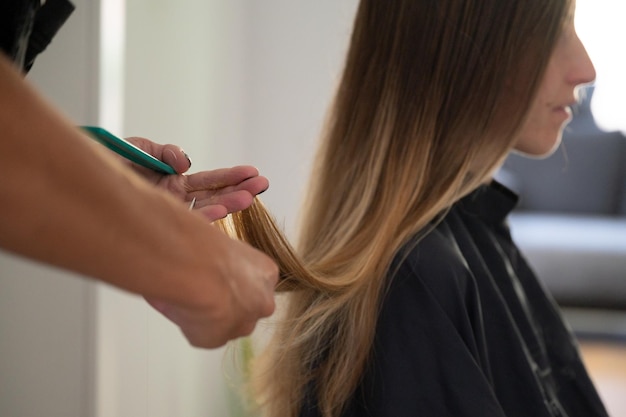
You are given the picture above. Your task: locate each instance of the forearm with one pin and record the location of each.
(68, 203)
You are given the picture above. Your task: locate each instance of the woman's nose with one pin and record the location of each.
(583, 71)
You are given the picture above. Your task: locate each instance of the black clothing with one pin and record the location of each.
(466, 330)
(28, 26)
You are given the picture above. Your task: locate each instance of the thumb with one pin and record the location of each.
(175, 157)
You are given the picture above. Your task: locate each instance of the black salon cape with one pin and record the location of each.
(466, 330)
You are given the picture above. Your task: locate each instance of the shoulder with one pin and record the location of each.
(433, 266)
(429, 329)
(431, 291)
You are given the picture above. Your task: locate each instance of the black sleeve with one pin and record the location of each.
(27, 27)
(49, 19)
(16, 17)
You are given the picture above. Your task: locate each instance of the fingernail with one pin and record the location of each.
(187, 156)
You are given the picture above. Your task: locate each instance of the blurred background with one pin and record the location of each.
(232, 82)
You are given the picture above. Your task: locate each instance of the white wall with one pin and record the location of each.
(171, 74)
(294, 54)
(233, 82)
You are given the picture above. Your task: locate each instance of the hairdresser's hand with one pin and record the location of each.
(238, 292)
(217, 192)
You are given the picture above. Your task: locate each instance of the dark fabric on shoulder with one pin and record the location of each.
(27, 27)
(16, 22)
(429, 356)
(48, 21)
(466, 329)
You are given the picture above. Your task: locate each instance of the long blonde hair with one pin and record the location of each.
(431, 98)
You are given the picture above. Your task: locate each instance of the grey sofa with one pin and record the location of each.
(571, 217)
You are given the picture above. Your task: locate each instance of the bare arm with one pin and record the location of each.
(67, 202)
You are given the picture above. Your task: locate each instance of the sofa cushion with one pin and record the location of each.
(586, 175)
(580, 259)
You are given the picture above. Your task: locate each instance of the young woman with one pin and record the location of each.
(411, 298)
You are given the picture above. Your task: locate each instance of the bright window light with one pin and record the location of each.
(601, 26)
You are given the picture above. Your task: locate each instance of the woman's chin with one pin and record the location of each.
(539, 148)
